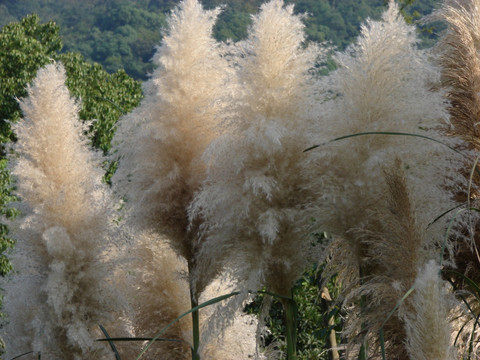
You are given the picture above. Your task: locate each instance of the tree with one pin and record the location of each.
(25, 47)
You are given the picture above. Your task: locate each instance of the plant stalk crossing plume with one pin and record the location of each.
(60, 294)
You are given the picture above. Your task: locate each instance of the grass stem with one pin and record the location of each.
(195, 318)
(195, 327)
(290, 308)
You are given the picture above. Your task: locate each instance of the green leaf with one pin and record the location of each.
(390, 133)
(202, 305)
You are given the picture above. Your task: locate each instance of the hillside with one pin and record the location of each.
(124, 33)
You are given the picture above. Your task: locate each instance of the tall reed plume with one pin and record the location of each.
(397, 250)
(160, 166)
(458, 49)
(59, 294)
(256, 204)
(158, 288)
(160, 143)
(384, 84)
(429, 334)
(158, 293)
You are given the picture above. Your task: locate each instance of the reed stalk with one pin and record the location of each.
(290, 308)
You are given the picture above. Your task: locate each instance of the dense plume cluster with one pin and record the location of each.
(219, 194)
(384, 84)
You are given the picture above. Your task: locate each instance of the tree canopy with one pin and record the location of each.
(122, 34)
(25, 47)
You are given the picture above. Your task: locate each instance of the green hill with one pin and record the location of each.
(124, 33)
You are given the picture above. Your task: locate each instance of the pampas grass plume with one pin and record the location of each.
(384, 84)
(59, 295)
(159, 145)
(395, 246)
(427, 328)
(254, 204)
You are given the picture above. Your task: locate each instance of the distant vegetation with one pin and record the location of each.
(123, 33)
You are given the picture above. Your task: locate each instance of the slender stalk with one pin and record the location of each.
(331, 340)
(202, 305)
(195, 328)
(195, 321)
(290, 308)
(363, 355)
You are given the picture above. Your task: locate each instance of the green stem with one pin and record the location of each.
(290, 308)
(363, 355)
(195, 322)
(195, 329)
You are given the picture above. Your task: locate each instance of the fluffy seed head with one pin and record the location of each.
(59, 295)
(255, 204)
(159, 145)
(427, 327)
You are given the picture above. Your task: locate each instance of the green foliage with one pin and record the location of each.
(105, 97)
(335, 21)
(6, 197)
(30, 45)
(25, 47)
(118, 34)
(122, 34)
(314, 312)
(125, 38)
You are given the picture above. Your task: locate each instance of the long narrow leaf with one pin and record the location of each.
(472, 338)
(202, 305)
(468, 280)
(141, 339)
(443, 214)
(394, 133)
(362, 355)
(397, 305)
(466, 304)
(382, 344)
(112, 345)
(19, 356)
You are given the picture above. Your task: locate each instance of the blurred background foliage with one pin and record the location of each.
(122, 34)
(25, 47)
